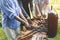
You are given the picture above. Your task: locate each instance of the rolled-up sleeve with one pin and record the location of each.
(11, 13)
(10, 10)
(12, 16)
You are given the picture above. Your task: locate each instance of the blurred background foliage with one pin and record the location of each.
(56, 5)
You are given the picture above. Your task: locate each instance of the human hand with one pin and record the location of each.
(27, 24)
(44, 16)
(28, 17)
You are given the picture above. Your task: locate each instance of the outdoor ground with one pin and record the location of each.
(3, 36)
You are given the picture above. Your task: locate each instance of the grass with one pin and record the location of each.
(3, 36)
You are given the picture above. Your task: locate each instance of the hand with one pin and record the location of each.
(29, 20)
(39, 14)
(44, 16)
(28, 17)
(27, 24)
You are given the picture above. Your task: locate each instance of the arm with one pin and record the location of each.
(22, 8)
(26, 22)
(12, 15)
(10, 12)
(22, 12)
(35, 3)
(25, 13)
(22, 16)
(37, 7)
(20, 20)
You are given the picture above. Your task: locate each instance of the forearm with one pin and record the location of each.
(25, 13)
(37, 7)
(22, 16)
(19, 19)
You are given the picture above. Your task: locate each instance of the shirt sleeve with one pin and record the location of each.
(35, 1)
(10, 9)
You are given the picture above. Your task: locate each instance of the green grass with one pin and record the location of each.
(3, 36)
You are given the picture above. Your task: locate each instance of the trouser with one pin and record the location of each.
(11, 33)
